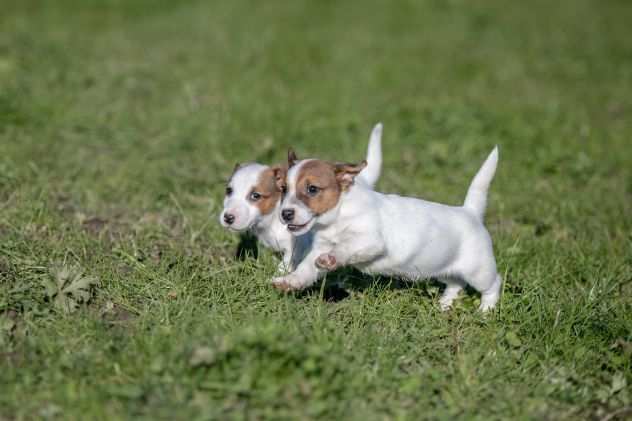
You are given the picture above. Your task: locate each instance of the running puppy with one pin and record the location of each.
(389, 234)
(253, 198)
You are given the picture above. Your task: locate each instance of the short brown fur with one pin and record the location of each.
(346, 173)
(322, 175)
(291, 157)
(267, 187)
(280, 176)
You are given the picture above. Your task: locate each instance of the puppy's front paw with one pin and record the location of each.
(287, 283)
(326, 262)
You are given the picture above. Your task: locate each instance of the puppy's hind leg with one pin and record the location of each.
(485, 279)
(490, 297)
(451, 292)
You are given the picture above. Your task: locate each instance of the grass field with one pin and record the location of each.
(120, 121)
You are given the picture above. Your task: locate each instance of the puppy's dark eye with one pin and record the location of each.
(229, 191)
(312, 190)
(254, 196)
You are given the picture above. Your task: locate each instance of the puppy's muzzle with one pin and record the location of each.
(287, 215)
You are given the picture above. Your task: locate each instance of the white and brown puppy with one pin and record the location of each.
(253, 197)
(389, 234)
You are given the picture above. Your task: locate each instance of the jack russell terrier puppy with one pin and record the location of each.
(253, 199)
(388, 234)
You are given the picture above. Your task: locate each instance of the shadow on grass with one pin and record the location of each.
(341, 283)
(247, 247)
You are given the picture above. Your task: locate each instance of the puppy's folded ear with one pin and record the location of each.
(346, 173)
(237, 167)
(291, 158)
(280, 173)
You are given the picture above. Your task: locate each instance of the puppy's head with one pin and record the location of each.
(252, 192)
(313, 190)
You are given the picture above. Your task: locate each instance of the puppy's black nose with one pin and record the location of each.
(287, 215)
(229, 218)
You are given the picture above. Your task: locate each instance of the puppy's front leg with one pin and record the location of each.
(305, 275)
(285, 265)
(332, 261)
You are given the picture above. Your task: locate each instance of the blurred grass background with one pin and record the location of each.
(120, 121)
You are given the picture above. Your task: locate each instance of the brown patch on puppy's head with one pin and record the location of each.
(317, 186)
(319, 183)
(266, 193)
(280, 177)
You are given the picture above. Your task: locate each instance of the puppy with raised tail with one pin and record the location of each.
(389, 234)
(253, 198)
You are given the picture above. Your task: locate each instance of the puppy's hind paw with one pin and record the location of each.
(326, 262)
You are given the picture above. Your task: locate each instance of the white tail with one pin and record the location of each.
(476, 198)
(372, 172)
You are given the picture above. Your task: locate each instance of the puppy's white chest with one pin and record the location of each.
(275, 238)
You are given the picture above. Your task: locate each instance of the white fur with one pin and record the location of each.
(371, 173)
(403, 236)
(268, 228)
